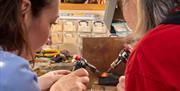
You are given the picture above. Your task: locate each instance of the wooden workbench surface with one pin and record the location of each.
(102, 88)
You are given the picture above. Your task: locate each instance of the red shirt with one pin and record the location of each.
(154, 65)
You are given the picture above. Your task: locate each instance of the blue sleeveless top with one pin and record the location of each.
(15, 74)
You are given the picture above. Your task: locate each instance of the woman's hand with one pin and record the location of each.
(121, 84)
(75, 81)
(47, 80)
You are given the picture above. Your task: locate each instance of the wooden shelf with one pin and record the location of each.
(68, 6)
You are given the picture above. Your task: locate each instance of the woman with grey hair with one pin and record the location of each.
(154, 63)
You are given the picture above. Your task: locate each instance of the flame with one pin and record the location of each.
(105, 74)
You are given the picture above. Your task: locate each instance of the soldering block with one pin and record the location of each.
(110, 81)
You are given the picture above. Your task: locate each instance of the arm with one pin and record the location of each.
(142, 72)
(138, 82)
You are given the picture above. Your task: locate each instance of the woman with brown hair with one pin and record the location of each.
(24, 28)
(154, 63)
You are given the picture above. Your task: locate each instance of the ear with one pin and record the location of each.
(25, 6)
(26, 12)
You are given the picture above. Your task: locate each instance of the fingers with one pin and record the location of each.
(122, 81)
(80, 72)
(83, 87)
(84, 80)
(82, 83)
(121, 84)
(61, 72)
(82, 75)
(75, 81)
(56, 77)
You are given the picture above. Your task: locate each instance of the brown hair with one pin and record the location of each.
(13, 34)
(151, 13)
